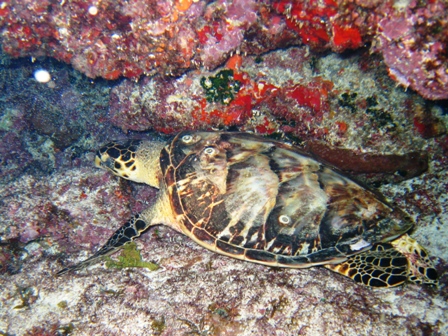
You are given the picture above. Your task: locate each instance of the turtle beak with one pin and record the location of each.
(104, 161)
(97, 161)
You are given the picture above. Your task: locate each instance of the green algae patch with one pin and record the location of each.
(220, 88)
(62, 304)
(130, 257)
(158, 326)
(66, 329)
(28, 295)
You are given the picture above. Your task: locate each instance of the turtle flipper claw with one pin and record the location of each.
(130, 230)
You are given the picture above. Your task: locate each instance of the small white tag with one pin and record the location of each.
(359, 245)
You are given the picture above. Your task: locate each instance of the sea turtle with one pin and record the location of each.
(267, 202)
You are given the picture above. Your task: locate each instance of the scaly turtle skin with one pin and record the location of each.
(266, 202)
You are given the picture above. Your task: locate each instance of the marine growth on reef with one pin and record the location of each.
(119, 38)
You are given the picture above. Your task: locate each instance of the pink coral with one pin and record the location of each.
(414, 43)
(227, 32)
(412, 37)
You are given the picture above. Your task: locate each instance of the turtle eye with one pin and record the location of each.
(187, 138)
(209, 150)
(283, 219)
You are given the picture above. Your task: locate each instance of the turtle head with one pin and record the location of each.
(134, 160)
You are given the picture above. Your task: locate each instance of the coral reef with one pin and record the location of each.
(299, 71)
(35, 209)
(115, 37)
(13, 163)
(119, 38)
(413, 42)
(322, 99)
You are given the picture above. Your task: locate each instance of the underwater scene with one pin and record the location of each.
(326, 150)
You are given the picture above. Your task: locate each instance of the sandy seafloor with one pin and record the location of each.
(194, 292)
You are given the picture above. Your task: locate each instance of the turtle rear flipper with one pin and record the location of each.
(421, 269)
(126, 234)
(390, 264)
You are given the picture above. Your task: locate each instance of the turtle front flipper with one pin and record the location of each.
(390, 264)
(159, 213)
(126, 234)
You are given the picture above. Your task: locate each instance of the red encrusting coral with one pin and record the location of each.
(313, 95)
(321, 24)
(172, 105)
(346, 37)
(308, 19)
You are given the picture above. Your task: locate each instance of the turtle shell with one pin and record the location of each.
(260, 200)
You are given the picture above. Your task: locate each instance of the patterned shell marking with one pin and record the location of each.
(265, 201)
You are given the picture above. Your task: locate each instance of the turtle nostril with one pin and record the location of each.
(108, 163)
(97, 161)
